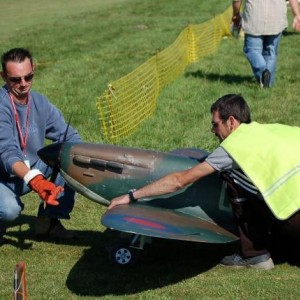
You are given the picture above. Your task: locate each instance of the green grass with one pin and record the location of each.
(81, 46)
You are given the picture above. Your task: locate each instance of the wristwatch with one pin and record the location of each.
(131, 197)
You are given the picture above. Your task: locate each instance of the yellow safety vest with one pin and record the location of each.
(269, 154)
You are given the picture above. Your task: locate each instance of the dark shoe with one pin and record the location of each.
(42, 226)
(52, 228)
(58, 231)
(265, 79)
(263, 262)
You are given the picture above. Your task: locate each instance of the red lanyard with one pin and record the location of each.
(23, 139)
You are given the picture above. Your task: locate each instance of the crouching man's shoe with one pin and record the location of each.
(263, 262)
(46, 227)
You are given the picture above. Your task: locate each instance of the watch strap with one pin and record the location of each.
(131, 197)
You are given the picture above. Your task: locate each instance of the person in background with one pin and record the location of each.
(28, 118)
(263, 22)
(264, 185)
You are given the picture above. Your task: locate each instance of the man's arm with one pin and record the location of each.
(167, 184)
(295, 10)
(20, 169)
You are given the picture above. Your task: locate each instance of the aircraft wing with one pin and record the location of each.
(164, 223)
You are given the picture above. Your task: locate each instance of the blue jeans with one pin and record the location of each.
(261, 51)
(11, 204)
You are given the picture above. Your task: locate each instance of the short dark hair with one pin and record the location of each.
(16, 55)
(232, 105)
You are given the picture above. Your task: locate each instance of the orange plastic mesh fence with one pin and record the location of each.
(128, 101)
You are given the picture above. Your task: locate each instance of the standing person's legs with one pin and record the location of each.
(270, 52)
(253, 49)
(261, 52)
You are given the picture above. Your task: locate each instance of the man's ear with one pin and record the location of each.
(233, 123)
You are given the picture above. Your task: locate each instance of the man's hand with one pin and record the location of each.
(47, 190)
(124, 199)
(236, 16)
(236, 20)
(296, 23)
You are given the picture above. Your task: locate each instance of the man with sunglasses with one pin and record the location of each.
(263, 186)
(28, 118)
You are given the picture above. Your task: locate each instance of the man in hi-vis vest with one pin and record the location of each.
(261, 165)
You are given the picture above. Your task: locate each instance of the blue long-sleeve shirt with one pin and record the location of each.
(45, 121)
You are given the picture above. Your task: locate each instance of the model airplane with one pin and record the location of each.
(100, 172)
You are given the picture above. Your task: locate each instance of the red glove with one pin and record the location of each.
(47, 190)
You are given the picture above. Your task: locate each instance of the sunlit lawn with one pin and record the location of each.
(81, 46)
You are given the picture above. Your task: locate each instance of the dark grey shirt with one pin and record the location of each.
(221, 161)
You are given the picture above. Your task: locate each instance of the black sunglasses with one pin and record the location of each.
(215, 125)
(27, 78)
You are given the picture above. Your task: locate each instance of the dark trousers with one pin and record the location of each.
(258, 227)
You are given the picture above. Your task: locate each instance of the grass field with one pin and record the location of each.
(81, 46)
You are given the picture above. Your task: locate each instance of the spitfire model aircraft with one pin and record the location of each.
(100, 172)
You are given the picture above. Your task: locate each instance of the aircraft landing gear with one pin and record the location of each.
(124, 253)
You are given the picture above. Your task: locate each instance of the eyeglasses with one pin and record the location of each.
(27, 78)
(215, 125)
